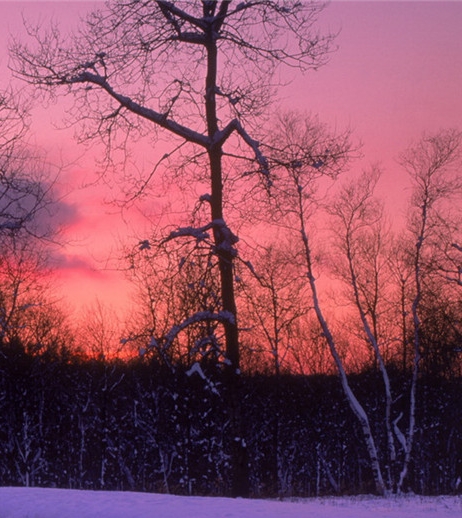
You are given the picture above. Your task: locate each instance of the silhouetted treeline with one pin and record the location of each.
(139, 425)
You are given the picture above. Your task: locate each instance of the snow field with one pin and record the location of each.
(19, 502)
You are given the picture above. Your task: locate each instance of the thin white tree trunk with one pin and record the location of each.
(415, 367)
(354, 403)
(383, 370)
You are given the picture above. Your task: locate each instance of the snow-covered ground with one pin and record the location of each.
(62, 503)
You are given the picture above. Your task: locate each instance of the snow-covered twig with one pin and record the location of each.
(200, 316)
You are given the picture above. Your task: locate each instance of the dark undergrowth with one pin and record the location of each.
(140, 425)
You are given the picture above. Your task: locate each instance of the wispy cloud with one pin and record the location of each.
(60, 261)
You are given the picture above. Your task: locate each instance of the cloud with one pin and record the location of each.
(66, 214)
(62, 262)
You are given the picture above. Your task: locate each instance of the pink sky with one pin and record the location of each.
(396, 74)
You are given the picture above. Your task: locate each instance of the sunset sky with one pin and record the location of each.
(396, 74)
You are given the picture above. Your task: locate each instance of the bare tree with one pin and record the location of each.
(22, 279)
(276, 303)
(400, 267)
(198, 70)
(13, 122)
(100, 332)
(117, 67)
(176, 284)
(303, 169)
(433, 165)
(358, 217)
(454, 272)
(25, 186)
(306, 155)
(27, 208)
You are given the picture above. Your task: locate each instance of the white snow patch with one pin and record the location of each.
(196, 368)
(144, 245)
(16, 502)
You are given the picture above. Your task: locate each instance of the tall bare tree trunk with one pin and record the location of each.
(224, 241)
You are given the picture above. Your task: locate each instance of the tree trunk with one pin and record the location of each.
(372, 338)
(354, 403)
(223, 241)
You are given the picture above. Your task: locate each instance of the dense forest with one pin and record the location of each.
(140, 425)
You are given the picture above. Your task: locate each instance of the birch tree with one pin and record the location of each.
(202, 72)
(356, 213)
(303, 166)
(434, 168)
(306, 154)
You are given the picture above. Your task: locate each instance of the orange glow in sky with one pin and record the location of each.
(397, 73)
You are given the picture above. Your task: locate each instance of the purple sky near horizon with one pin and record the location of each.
(396, 74)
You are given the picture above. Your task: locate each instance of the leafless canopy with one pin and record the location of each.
(131, 51)
(24, 190)
(200, 70)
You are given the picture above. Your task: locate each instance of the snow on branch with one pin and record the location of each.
(201, 316)
(147, 113)
(225, 239)
(144, 245)
(206, 198)
(221, 136)
(196, 368)
(170, 10)
(199, 234)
